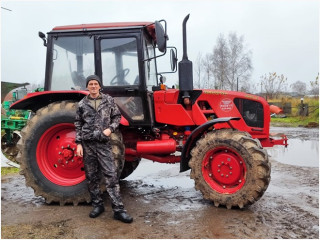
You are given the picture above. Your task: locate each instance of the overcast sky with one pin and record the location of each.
(283, 35)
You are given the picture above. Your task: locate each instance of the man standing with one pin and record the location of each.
(97, 117)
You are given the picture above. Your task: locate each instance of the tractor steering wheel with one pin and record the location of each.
(124, 73)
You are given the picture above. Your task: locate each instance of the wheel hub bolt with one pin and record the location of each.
(222, 175)
(224, 186)
(210, 175)
(218, 170)
(240, 181)
(227, 175)
(211, 157)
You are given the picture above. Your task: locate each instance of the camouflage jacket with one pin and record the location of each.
(91, 123)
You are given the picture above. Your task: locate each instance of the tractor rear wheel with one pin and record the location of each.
(48, 155)
(129, 167)
(230, 168)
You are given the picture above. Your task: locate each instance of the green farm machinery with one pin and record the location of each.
(12, 121)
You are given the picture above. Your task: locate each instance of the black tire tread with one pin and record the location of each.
(258, 162)
(27, 133)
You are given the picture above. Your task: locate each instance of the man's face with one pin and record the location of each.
(93, 87)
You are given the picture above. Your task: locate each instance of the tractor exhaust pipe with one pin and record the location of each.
(185, 66)
(184, 38)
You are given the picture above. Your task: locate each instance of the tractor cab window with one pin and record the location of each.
(119, 59)
(73, 60)
(150, 65)
(131, 106)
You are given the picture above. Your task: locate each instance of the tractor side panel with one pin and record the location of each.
(168, 111)
(254, 111)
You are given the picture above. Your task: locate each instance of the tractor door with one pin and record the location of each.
(121, 66)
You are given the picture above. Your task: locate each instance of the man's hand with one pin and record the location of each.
(79, 150)
(107, 132)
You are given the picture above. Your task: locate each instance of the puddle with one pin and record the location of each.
(303, 148)
(297, 132)
(162, 175)
(299, 153)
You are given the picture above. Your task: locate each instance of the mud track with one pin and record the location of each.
(165, 204)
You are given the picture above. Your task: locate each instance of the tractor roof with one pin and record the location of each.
(100, 26)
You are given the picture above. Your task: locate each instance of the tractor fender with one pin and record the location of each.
(35, 101)
(195, 136)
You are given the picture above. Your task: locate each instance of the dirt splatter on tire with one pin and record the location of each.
(230, 168)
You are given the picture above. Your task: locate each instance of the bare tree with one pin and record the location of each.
(273, 84)
(231, 62)
(240, 61)
(220, 62)
(299, 87)
(315, 86)
(198, 70)
(208, 71)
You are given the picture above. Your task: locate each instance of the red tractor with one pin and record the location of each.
(220, 134)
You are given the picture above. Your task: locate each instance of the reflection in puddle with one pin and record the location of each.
(299, 152)
(161, 174)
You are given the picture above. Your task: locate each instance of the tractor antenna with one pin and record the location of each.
(6, 9)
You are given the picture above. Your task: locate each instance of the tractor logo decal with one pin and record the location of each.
(226, 105)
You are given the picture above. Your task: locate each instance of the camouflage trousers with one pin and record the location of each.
(99, 162)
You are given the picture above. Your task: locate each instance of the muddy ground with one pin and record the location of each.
(165, 204)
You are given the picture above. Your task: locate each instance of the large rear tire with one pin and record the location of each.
(230, 168)
(129, 167)
(48, 158)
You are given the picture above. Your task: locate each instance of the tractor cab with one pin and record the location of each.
(122, 54)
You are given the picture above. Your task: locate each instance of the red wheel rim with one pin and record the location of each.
(224, 170)
(56, 156)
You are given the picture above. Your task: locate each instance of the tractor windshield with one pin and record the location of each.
(73, 60)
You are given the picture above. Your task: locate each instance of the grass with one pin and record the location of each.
(9, 170)
(293, 120)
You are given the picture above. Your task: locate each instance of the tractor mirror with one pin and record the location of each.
(173, 58)
(161, 37)
(43, 37)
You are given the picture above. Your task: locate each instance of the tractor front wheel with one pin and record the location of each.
(230, 168)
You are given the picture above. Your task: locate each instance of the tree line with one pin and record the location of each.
(229, 67)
